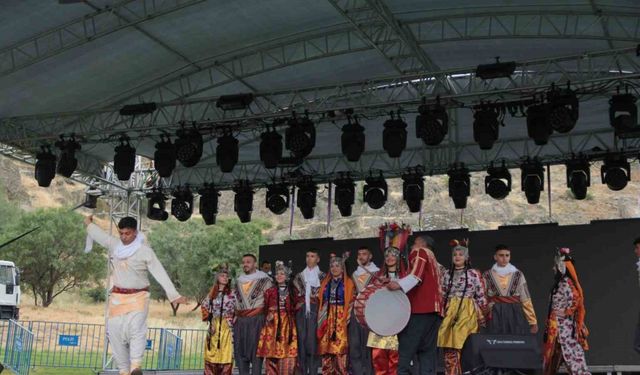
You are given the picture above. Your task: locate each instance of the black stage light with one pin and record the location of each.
(227, 152)
(563, 113)
(486, 127)
(615, 172)
(345, 195)
(182, 203)
(277, 198)
(353, 140)
(91, 197)
(394, 136)
(270, 148)
(375, 191)
(45, 169)
(124, 160)
(208, 203)
(306, 197)
(459, 185)
(538, 124)
(156, 206)
(413, 190)
(188, 146)
(623, 115)
(432, 124)
(532, 179)
(496, 70)
(67, 162)
(578, 176)
(138, 109)
(498, 182)
(243, 200)
(234, 102)
(164, 159)
(300, 137)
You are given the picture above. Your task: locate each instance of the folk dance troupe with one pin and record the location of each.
(322, 322)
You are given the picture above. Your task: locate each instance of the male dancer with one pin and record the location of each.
(359, 352)
(510, 307)
(130, 261)
(422, 286)
(307, 285)
(250, 290)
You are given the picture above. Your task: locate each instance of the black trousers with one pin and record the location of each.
(419, 339)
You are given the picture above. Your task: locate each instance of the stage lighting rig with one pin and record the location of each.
(353, 139)
(138, 109)
(538, 123)
(300, 136)
(208, 203)
(164, 159)
(124, 160)
(156, 206)
(615, 172)
(532, 179)
(432, 123)
(496, 70)
(270, 148)
(578, 176)
(243, 200)
(306, 197)
(486, 125)
(375, 191)
(459, 185)
(623, 116)
(67, 162)
(498, 181)
(188, 146)
(563, 112)
(234, 102)
(45, 169)
(227, 152)
(345, 194)
(394, 136)
(278, 198)
(413, 189)
(182, 203)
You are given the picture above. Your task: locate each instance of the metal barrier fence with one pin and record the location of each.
(79, 345)
(18, 346)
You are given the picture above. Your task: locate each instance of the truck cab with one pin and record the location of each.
(9, 290)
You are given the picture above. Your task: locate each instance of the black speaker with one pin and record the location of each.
(504, 352)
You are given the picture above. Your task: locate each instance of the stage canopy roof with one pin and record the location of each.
(68, 67)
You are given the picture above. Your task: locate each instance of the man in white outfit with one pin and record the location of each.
(130, 261)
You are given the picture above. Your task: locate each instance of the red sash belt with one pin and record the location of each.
(249, 313)
(501, 299)
(119, 290)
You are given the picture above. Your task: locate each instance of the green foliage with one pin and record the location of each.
(96, 295)
(190, 250)
(51, 259)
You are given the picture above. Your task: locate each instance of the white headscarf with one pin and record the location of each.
(311, 280)
(123, 251)
(245, 278)
(504, 271)
(371, 267)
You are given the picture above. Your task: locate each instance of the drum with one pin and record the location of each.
(385, 312)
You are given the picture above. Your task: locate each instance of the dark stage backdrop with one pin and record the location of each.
(605, 263)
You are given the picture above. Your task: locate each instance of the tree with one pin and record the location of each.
(51, 259)
(191, 250)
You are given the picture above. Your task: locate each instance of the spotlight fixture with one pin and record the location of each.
(156, 206)
(300, 136)
(413, 189)
(563, 113)
(182, 203)
(270, 148)
(459, 185)
(243, 201)
(486, 126)
(164, 159)
(353, 140)
(277, 198)
(615, 172)
(432, 123)
(91, 197)
(138, 109)
(68, 162)
(532, 179)
(234, 102)
(124, 160)
(496, 70)
(208, 203)
(227, 152)
(306, 197)
(45, 169)
(623, 116)
(498, 182)
(394, 136)
(578, 176)
(538, 124)
(345, 194)
(375, 191)
(188, 146)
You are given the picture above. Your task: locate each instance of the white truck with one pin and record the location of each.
(9, 290)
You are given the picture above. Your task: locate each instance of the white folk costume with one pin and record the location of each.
(307, 286)
(359, 352)
(510, 306)
(250, 290)
(128, 303)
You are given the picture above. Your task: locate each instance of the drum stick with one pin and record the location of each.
(372, 274)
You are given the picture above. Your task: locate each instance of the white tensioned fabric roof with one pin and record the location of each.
(69, 68)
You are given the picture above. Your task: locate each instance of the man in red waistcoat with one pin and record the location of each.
(422, 286)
